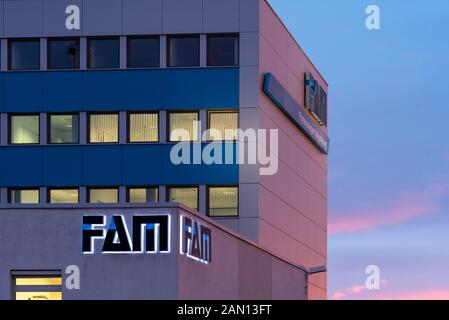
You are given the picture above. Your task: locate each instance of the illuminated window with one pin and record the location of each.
(223, 125)
(186, 196)
(63, 195)
(103, 195)
(24, 196)
(143, 127)
(103, 53)
(142, 195)
(37, 287)
(143, 52)
(24, 54)
(24, 129)
(223, 50)
(63, 54)
(63, 128)
(223, 201)
(103, 128)
(183, 51)
(184, 126)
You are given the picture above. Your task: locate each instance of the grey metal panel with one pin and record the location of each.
(248, 200)
(55, 17)
(221, 16)
(249, 228)
(142, 16)
(23, 18)
(249, 49)
(1, 18)
(182, 16)
(249, 15)
(250, 84)
(102, 17)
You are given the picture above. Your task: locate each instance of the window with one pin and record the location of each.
(143, 52)
(183, 126)
(103, 53)
(183, 51)
(142, 194)
(103, 195)
(186, 196)
(223, 50)
(24, 129)
(63, 128)
(63, 195)
(103, 128)
(63, 54)
(223, 125)
(24, 196)
(143, 127)
(40, 286)
(24, 54)
(223, 201)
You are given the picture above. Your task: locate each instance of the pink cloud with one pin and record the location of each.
(410, 204)
(338, 295)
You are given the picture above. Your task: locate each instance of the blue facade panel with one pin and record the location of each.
(221, 88)
(22, 92)
(142, 164)
(182, 89)
(142, 90)
(169, 89)
(112, 165)
(102, 165)
(62, 166)
(62, 91)
(102, 90)
(22, 166)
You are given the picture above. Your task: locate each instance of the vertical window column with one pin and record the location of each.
(163, 51)
(83, 127)
(43, 128)
(3, 54)
(43, 55)
(123, 52)
(202, 199)
(203, 50)
(4, 129)
(83, 53)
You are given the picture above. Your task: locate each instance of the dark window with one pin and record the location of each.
(24, 54)
(223, 50)
(143, 52)
(63, 128)
(183, 51)
(104, 53)
(63, 54)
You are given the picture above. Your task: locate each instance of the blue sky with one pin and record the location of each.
(389, 130)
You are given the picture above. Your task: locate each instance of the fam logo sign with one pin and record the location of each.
(195, 240)
(150, 234)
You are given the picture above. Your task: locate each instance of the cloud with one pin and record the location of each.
(409, 204)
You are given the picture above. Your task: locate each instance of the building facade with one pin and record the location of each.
(95, 97)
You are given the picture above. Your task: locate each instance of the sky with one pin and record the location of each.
(389, 131)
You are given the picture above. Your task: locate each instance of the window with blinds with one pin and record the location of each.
(183, 126)
(103, 128)
(186, 196)
(143, 127)
(223, 201)
(223, 126)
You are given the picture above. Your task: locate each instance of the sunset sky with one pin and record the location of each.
(389, 131)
